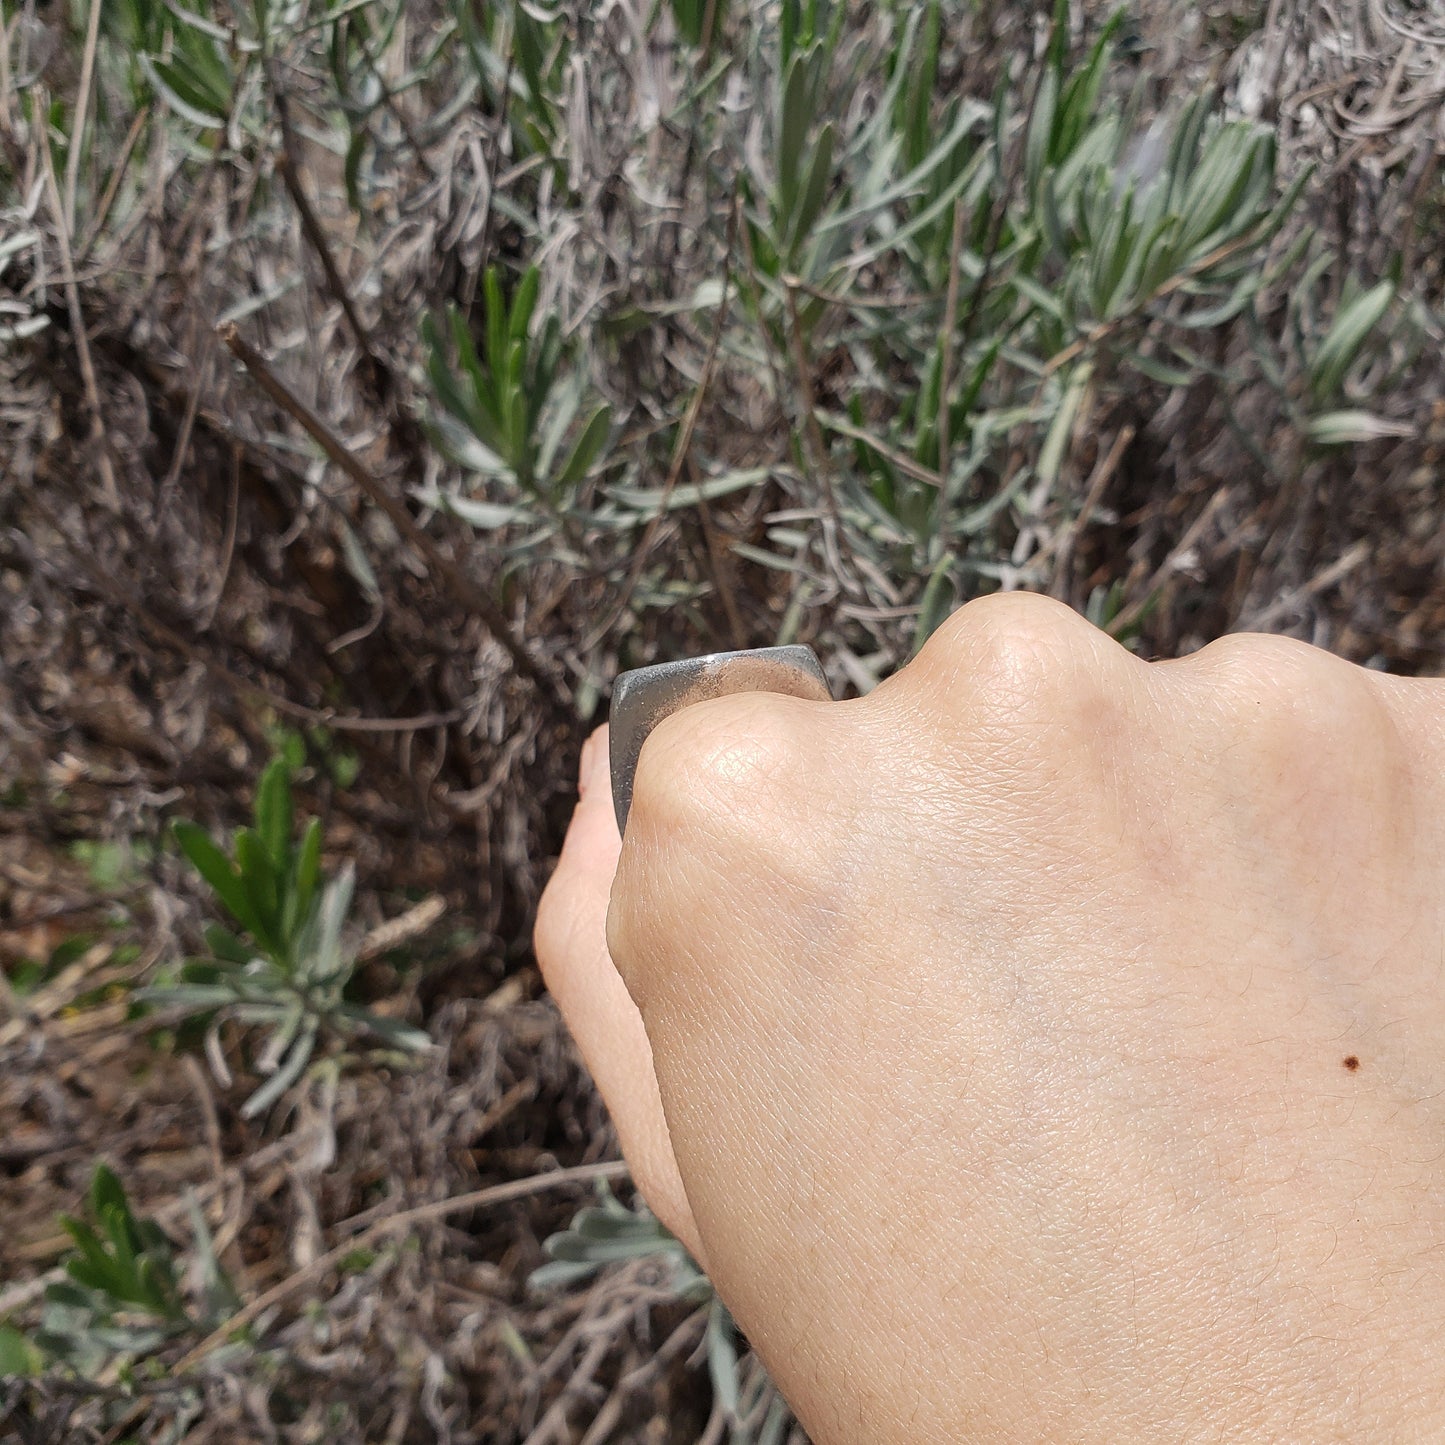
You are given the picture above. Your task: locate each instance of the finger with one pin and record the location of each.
(571, 945)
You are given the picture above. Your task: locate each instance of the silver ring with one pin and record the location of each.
(643, 697)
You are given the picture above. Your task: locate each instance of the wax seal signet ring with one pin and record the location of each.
(643, 697)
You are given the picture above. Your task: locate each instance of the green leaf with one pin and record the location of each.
(793, 121)
(106, 1192)
(1184, 145)
(218, 1293)
(524, 300)
(912, 182)
(484, 516)
(648, 501)
(820, 176)
(220, 873)
(282, 1037)
(195, 997)
(397, 1034)
(199, 23)
(561, 1274)
(1230, 163)
(520, 437)
(19, 1359)
(935, 603)
(95, 1268)
(1344, 428)
(168, 85)
(496, 313)
(351, 168)
(155, 1287)
(289, 1071)
(966, 402)
(1036, 148)
(1244, 292)
(307, 872)
(262, 885)
(1081, 95)
(1061, 431)
(1112, 255)
(274, 813)
(722, 1358)
(588, 449)
(1160, 371)
(481, 414)
(1346, 337)
(124, 1242)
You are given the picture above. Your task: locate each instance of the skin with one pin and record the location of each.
(1048, 1046)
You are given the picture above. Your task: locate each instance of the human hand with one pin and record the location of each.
(1048, 1045)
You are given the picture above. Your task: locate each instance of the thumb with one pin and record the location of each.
(571, 945)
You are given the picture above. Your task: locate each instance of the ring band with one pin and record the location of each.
(643, 697)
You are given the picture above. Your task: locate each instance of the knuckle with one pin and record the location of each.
(637, 929)
(733, 818)
(1251, 662)
(1273, 684)
(623, 919)
(1019, 656)
(715, 766)
(711, 803)
(1292, 712)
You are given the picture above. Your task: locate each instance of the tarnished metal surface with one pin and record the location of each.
(643, 697)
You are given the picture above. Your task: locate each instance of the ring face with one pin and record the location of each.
(643, 697)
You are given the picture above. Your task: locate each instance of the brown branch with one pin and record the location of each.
(641, 1376)
(389, 100)
(228, 542)
(462, 590)
(900, 459)
(382, 378)
(82, 109)
(405, 1219)
(99, 439)
(1161, 574)
(311, 225)
(120, 168)
(718, 561)
(1064, 547)
(1017, 159)
(680, 448)
(808, 402)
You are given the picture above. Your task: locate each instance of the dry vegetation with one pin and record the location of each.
(376, 380)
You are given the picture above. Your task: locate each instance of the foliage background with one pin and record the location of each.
(377, 380)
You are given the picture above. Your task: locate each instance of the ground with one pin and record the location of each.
(377, 381)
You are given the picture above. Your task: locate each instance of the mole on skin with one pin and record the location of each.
(1352, 1063)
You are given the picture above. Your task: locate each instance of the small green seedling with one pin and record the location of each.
(122, 1298)
(505, 412)
(288, 966)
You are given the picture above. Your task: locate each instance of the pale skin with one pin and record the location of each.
(1047, 1046)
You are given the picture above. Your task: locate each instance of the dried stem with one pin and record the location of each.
(82, 110)
(405, 1219)
(680, 450)
(99, 440)
(462, 589)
